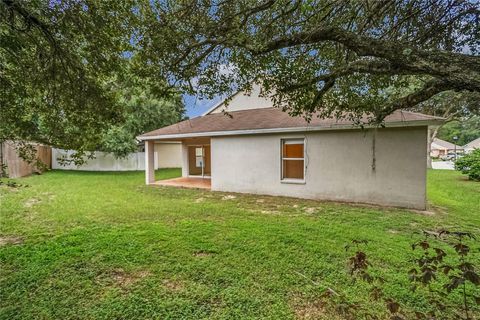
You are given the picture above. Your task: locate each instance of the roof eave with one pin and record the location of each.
(399, 124)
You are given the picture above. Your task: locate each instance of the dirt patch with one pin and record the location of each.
(392, 231)
(10, 240)
(198, 200)
(229, 197)
(310, 210)
(270, 212)
(126, 279)
(424, 212)
(260, 200)
(49, 195)
(31, 202)
(202, 254)
(308, 309)
(173, 285)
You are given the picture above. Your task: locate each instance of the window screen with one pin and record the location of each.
(199, 163)
(293, 161)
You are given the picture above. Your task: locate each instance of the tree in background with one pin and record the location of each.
(466, 130)
(55, 58)
(57, 62)
(142, 112)
(459, 110)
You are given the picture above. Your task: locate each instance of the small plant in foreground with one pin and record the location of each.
(359, 268)
(460, 273)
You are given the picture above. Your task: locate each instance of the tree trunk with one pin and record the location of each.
(430, 136)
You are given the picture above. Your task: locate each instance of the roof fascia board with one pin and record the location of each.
(287, 130)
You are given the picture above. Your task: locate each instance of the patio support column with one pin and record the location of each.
(184, 159)
(149, 162)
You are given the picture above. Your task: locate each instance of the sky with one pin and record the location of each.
(196, 107)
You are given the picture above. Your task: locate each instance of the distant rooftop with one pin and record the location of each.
(445, 144)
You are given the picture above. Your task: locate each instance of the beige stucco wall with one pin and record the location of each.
(169, 154)
(243, 101)
(339, 166)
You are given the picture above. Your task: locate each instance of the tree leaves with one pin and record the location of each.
(335, 58)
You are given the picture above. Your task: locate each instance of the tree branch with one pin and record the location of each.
(430, 89)
(461, 71)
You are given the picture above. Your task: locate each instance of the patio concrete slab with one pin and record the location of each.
(198, 183)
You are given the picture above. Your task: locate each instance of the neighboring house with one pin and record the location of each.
(472, 145)
(440, 148)
(260, 149)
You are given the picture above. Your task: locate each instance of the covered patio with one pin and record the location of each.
(196, 163)
(185, 182)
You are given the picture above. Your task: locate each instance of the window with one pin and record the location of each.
(293, 159)
(199, 157)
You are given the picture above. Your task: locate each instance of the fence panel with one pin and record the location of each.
(103, 161)
(17, 167)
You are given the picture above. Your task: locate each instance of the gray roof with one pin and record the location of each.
(272, 119)
(473, 144)
(446, 144)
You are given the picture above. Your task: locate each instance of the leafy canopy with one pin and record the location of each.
(64, 63)
(67, 75)
(142, 112)
(330, 56)
(466, 131)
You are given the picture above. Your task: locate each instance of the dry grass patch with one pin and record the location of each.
(31, 202)
(202, 254)
(173, 285)
(10, 240)
(308, 309)
(310, 210)
(125, 279)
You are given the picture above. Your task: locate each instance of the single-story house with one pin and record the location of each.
(441, 148)
(256, 148)
(472, 145)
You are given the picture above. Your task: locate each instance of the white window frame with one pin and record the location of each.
(293, 141)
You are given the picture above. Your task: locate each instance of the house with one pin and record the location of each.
(441, 148)
(472, 145)
(260, 149)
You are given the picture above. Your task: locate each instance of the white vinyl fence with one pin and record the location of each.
(103, 162)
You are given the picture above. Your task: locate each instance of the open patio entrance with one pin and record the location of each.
(199, 161)
(196, 164)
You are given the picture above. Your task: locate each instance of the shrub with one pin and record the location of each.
(470, 165)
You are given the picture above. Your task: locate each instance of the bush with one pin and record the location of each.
(470, 165)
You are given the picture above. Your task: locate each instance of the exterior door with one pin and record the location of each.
(199, 160)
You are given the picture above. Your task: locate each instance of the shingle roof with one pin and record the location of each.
(445, 144)
(272, 118)
(473, 144)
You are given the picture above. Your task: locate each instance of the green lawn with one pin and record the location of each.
(78, 245)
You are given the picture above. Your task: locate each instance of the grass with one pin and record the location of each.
(79, 245)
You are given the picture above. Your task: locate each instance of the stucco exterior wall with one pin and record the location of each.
(339, 166)
(243, 101)
(169, 155)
